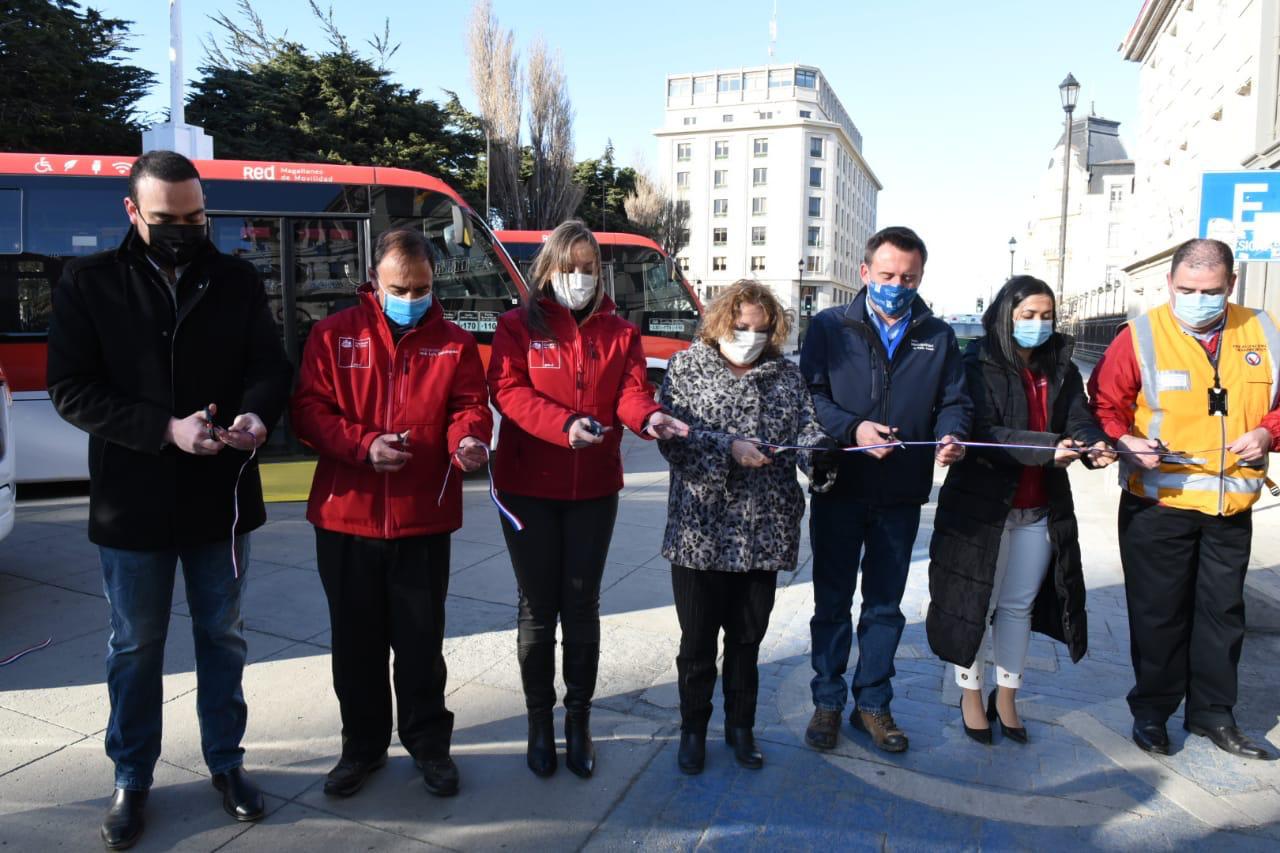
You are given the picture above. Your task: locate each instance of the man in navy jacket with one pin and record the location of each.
(880, 369)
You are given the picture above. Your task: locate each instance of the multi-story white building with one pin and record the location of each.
(771, 168)
(1208, 101)
(1098, 244)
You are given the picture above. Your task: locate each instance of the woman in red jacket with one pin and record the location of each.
(566, 374)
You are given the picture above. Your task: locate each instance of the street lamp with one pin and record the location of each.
(1068, 89)
(1013, 246)
(800, 269)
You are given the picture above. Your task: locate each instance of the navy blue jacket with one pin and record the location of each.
(921, 391)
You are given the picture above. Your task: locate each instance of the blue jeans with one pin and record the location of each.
(139, 588)
(842, 531)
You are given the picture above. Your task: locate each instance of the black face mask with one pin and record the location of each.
(177, 244)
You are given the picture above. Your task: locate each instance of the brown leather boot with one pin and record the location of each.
(883, 730)
(824, 729)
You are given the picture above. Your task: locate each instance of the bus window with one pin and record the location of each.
(470, 281)
(328, 268)
(68, 217)
(256, 240)
(10, 221)
(649, 293)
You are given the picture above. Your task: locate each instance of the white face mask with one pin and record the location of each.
(744, 347)
(573, 290)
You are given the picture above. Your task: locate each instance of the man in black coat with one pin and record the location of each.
(880, 369)
(151, 347)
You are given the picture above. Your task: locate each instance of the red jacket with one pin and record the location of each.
(541, 384)
(355, 384)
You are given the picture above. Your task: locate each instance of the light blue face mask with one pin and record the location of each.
(1030, 334)
(891, 299)
(1198, 310)
(405, 312)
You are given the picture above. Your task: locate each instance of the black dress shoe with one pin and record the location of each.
(1151, 736)
(745, 751)
(350, 774)
(1230, 739)
(440, 775)
(692, 756)
(982, 736)
(579, 751)
(541, 756)
(1017, 734)
(240, 797)
(122, 827)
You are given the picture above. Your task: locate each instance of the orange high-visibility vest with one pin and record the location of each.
(1173, 407)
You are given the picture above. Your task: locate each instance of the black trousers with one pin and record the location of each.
(559, 560)
(388, 595)
(1184, 585)
(706, 602)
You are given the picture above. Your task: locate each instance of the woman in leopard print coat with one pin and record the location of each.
(734, 509)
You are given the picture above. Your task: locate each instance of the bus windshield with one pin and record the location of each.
(651, 293)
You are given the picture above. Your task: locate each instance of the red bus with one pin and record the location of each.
(308, 228)
(646, 284)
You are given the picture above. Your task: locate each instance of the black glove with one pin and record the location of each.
(826, 458)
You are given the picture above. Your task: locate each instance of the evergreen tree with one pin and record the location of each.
(65, 86)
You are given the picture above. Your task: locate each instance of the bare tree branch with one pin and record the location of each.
(553, 197)
(495, 78)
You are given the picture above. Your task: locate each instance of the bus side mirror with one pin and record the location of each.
(459, 232)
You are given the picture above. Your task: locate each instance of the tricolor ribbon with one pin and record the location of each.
(37, 647)
(503, 509)
(235, 521)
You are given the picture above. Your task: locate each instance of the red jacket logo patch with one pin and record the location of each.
(353, 352)
(544, 355)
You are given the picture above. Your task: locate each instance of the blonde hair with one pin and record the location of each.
(722, 314)
(556, 255)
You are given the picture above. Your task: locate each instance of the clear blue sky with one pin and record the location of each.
(957, 102)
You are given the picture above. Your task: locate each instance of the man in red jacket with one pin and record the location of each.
(392, 396)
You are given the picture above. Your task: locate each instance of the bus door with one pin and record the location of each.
(310, 266)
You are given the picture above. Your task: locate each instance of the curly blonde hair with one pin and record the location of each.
(722, 314)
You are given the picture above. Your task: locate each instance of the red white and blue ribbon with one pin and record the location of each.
(503, 509)
(37, 647)
(235, 522)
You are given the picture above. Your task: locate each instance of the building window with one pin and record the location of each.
(760, 147)
(688, 120)
(807, 79)
(719, 263)
(702, 85)
(1113, 235)
(726, 118)
(684, 150)
(682, 207)
(815, 236)
(721, 178)
(757, 263)
(813, 263)
(806, 114)
(815, 146)
(778, 79)
(682, 179)
(683, 261)
(764, 116)
(720, 207)
(815, 176)
(815, 205)
(759, 205)
(677, 88)
(684, 232)
(722, 149)
(729, 83)
(758, 235)
(759, 177)
(719, 236)
(1117, 198)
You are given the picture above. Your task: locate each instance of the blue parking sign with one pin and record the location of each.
(1242, 209)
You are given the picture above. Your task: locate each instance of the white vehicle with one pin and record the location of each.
(8, 484)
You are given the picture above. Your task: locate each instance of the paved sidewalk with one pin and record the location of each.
(1080, 783)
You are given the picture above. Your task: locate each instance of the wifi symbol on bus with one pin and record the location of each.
(122, 168)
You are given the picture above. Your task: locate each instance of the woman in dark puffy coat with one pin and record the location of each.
(734, 507)
(1005, 555)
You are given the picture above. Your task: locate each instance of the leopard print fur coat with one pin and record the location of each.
(720, 515)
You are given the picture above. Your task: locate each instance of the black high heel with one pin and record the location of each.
(1014, 733)
(982, 736)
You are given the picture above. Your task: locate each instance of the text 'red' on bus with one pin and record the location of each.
(644, 282)
(308, 229)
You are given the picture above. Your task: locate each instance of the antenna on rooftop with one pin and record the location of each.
(773, 29)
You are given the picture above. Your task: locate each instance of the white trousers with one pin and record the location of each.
(1020, 568)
